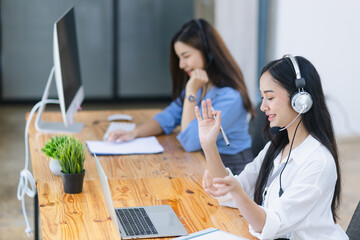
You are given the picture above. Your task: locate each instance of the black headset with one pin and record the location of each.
(301, 100)
(206, 46)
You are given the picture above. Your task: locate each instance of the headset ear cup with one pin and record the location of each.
(301, 102)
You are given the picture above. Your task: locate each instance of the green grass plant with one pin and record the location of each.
(52, 146)
(68, 151)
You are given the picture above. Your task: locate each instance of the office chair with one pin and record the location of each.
(353, 230)
(256, 126)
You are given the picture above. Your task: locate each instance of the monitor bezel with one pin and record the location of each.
(67, 113)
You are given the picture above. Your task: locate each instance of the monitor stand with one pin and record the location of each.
(53, 127)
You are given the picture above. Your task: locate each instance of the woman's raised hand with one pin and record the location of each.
(209, 127)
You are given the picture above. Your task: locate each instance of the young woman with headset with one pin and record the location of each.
(202, 67)
(292, 188)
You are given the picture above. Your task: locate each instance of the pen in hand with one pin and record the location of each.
(222, 132)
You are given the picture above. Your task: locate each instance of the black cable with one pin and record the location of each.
(292, 141)
(206, 46)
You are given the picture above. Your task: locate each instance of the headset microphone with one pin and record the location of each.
(208, 54)
(276, 130)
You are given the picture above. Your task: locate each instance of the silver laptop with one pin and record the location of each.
(140, 222)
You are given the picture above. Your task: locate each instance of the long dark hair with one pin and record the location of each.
(222, 69)
(317, 122)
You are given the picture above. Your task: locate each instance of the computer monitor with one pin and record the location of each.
(67, 77)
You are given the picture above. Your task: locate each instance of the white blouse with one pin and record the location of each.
(304, 209)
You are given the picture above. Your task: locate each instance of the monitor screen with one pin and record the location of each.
(69, 59)
(67, 66)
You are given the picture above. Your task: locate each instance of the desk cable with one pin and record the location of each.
(25, 175)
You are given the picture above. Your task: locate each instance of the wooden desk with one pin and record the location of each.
(174, 162)
(173, 177)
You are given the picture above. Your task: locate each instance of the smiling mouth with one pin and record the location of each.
(271, 117)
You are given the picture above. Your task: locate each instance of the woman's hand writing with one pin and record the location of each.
(121, 136)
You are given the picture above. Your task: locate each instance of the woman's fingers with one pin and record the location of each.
(120, 136)
(204, 110)
(112, 136)
(217, 192)
(198, 114)
(207, 111)
(207, 182)
(204, 76)
(220, 186)
(224, 181)
(209, 108)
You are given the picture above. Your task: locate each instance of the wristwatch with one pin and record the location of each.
(191, 98)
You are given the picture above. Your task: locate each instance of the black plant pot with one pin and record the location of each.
(73, 183)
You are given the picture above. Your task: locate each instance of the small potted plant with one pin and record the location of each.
(71, 159)
(70, 155)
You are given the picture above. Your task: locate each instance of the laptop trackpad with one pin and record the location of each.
(165, 220)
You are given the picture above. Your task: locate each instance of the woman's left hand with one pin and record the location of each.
(218, 187)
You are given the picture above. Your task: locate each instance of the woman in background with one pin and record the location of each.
(202, 67)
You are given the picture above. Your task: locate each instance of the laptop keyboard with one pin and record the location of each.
(135, 221)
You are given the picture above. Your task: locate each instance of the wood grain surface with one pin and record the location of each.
(84, 216)
(172, 177)
(173, 162)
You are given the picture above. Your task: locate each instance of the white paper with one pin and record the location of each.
(147, 145)
(211, 234)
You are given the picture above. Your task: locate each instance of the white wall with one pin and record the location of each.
(237, 23)
(326, 32)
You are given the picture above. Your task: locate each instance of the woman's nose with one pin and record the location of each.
(181, 64)
(263, 106)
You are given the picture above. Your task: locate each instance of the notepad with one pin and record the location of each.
(211, 234)
(147, 145)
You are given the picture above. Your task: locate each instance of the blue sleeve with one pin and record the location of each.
(234, 122)
(170, 117)
(189, 138)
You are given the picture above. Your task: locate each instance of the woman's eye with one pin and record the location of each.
(268, 98)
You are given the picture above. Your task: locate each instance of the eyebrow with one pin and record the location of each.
(183, 53)
(267, 91)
